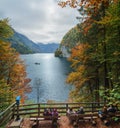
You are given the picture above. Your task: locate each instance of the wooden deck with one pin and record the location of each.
(36, 110)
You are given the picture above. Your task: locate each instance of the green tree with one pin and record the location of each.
(5, 29)
(101, 31)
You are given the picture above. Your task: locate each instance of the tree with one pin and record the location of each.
(112, 23)
(100, 29)
(80, 77)
(13, 71)
(5, 29)
(13, 77)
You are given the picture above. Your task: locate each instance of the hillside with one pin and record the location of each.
(48, 48)
(24, 45)
(70, 39)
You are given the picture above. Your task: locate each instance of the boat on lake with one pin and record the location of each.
(37, 63)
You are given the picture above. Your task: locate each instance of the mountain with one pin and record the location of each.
(48, 48)
(69, 40)
(24, 45)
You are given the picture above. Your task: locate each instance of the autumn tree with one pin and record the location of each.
(79, 77)
(101, 30)
(13, 77)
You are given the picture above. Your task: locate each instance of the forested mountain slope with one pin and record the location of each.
(71, 38)
(22, 44)
(48, 48)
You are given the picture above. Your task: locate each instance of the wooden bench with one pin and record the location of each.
(109, 117)
(117, 114)
(44, 120)
(77, 118)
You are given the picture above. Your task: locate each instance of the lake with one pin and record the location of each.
(51, 73)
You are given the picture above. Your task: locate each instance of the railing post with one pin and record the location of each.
(38, 110)
(92, 107)
(38, 115)
(13, 111)
(66, 108)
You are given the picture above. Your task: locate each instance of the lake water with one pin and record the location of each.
(52, 73)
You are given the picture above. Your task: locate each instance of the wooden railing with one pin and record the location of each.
(7, 115)
(29, 110)
(15, 111)
(38, 109)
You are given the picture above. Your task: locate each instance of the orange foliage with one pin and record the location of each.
(79, 58)
(79, 53)
(76, 3)
(12, 70)
(92, 7)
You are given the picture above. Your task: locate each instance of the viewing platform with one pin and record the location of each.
(17, 115)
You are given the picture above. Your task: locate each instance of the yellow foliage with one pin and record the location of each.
(79, 54)
(12, 70)
(79, 77)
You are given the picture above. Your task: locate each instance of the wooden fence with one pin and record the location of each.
(38, 109)
(7, 115)
(28, 110)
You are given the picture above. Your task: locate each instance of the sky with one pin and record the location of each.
(40, 20)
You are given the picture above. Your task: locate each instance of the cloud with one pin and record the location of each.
(40, 20)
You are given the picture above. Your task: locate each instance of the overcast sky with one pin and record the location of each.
(40, 20)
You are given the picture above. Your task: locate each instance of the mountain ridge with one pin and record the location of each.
(48, 48)
(24, 45)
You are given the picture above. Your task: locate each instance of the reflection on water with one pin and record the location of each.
(52, 74)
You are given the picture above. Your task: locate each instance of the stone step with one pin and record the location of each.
(16, 123)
